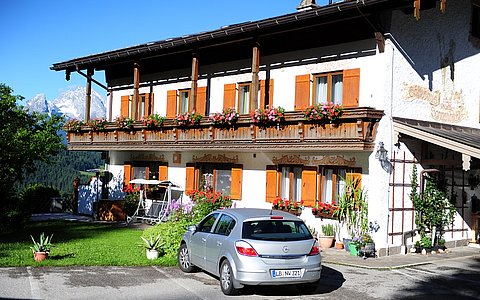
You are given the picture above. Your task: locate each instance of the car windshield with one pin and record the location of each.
(276, 230)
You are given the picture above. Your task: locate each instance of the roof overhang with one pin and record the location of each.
(338, 13)
(465, 140)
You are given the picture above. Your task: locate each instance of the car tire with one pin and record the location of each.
(226, 279)
(184, 259)
(307, 288)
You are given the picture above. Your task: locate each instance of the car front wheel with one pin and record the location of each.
(226, 279)
(184, 259)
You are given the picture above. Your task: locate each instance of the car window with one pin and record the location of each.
(276, 230)
(207, 223)
(224, 225)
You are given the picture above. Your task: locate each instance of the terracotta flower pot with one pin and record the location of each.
(325, 241)
(40, 256)
(338, 245)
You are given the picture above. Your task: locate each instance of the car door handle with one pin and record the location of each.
(219, 244)
(204, 240)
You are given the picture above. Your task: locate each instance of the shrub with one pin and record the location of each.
(37, 197)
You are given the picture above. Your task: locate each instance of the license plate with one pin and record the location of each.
(286, 273)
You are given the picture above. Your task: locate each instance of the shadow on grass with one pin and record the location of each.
(63, 231)
(60, 257)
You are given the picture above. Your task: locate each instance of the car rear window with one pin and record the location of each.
(275, 230)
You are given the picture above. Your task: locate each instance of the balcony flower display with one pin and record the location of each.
(228, 117)
(324, 210)
(287, 205)
(97, 124)
(268, 116)
(187, 119)
(73, 125)
(326, 112)
(124, 122)
(153, 121)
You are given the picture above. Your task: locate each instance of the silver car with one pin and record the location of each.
(250, 246)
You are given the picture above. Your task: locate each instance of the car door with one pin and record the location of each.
(198, 240)
(216, 242)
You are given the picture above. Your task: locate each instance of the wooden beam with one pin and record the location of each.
(255, 81)
(136, 83)
(416, 9)
(443, 5)
(192, 101)
(92, 79)
(88, 99)
(110, 105)
(380, 41)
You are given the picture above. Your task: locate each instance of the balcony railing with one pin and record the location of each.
(354, 130)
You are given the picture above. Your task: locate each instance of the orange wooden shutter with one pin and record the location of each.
(190, 177)
(351, 87)
(309, 186)
(236, 187)
(124, 106)
(163, 172)
(271, 177)
(263, 94)
(356, 177)
(229, 91)
(201, 104)
(147, 105)
(127, 173)
(171, 104)
(302, 91)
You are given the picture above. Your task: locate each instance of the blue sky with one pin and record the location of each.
(36, 34)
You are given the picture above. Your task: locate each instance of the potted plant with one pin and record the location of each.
(326, 239)
(352, 210)
(152, 245)
(42, 247)
(338, 241)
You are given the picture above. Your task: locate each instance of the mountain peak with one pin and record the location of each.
(70, 103)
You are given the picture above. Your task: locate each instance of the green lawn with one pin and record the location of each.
(77, 244)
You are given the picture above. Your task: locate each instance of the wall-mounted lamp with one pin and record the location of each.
(382, 153)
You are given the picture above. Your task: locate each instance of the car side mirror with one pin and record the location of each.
(192, 228)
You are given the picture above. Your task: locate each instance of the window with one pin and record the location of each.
(291, 183)
(308, 183)
(223, 178)
(239, 95)
(276, 230)
(340, 87)
(333, 182)
(144, 105)
(244, 98)
(183, 101)
(145, 170)
(328, 88)
(216, 177)
(225, 225)
(207, 223)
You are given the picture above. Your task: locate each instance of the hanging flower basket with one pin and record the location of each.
(124, 123)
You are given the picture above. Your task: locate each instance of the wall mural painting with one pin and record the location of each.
(445, 106)
(330, 160)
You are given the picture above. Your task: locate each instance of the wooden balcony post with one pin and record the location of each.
(255, 82)
(88, 99)
(192, 105)
(110, 104)
(136, 84)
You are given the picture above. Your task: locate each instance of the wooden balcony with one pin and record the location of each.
(355, 130)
